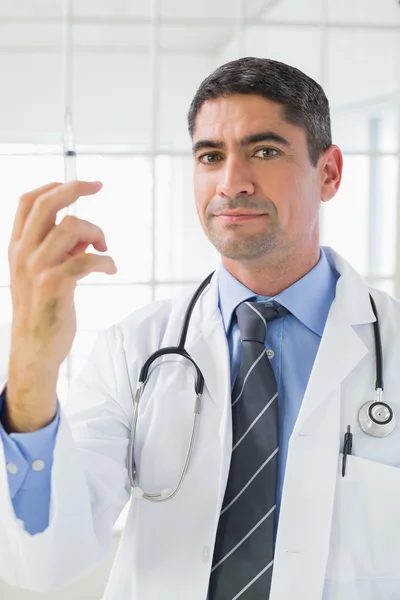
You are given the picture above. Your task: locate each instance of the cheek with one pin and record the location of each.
(292, 196)
(277, 181)
(204, 191)
(303, 204)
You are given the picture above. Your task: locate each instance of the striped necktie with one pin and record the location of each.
(244, 547)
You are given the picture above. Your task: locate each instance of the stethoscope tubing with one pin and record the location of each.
(199, 387)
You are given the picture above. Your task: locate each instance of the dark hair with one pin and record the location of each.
(303, 99)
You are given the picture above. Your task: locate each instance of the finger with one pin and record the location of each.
(25, 204)
(65, 275)
(43, 215)
(81, 266)
(81, 247)
(65, 239)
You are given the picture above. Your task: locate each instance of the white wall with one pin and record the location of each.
(112, 99)
(355, 67)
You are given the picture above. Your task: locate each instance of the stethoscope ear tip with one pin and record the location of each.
(137, 492)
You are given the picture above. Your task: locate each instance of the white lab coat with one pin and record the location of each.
(338, 538)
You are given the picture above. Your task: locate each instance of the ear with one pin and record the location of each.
(331, 164)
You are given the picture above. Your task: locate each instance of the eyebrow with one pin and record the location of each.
(254, 138)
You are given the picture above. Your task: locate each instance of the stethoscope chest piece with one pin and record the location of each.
(377, 419)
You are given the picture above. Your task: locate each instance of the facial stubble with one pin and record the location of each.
(243, 241)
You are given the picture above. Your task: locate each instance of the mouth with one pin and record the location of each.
(238, 217)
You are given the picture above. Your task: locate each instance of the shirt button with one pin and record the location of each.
(12, 468)
(270, 353)
(206, 554)
(38, 465)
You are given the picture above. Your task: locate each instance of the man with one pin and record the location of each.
(284, 337)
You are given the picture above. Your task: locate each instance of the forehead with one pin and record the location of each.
(239, 115)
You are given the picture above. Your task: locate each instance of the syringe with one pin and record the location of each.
(70, 173)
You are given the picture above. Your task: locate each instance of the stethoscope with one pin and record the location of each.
(375, 418)
(167, 494)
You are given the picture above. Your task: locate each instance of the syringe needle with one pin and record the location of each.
(70, 173)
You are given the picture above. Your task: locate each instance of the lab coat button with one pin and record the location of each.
(38, 465)
(206, 554)
(12, 468)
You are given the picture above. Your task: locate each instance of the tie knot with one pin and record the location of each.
(254, 316)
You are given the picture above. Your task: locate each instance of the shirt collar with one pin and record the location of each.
(308, 299)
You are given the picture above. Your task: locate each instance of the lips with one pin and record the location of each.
(238, 217)
(235, 213)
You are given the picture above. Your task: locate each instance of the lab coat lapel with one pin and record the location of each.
(208, 345)
(341, 348)
(312, 467)
(209, 348)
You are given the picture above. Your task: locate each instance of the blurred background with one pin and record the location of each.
(136, 65)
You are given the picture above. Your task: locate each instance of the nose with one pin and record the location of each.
(235, 179)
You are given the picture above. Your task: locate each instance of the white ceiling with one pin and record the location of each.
(185, 25)
(374, 12)
(176, 9)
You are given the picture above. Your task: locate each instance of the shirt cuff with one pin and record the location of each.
(29, 456)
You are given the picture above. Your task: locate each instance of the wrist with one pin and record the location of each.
(15, 420)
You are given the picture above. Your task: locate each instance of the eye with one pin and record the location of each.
(265, 153)
(209, 158)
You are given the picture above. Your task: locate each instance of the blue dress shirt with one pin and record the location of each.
(30, 488)
(294, 340)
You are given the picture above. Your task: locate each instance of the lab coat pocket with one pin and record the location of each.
(365, 540)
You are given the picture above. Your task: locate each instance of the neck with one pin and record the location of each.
(273, 274)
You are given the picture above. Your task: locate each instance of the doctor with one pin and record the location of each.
(284, 337)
